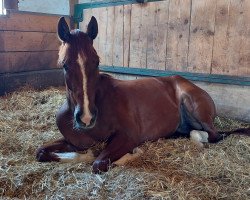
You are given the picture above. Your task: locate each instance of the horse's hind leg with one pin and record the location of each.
(200, 113)
(47, 152)
(205, 119)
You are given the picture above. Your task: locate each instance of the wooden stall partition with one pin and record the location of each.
(209, 37)
(28, 44)
(207, 42)
(231, 50)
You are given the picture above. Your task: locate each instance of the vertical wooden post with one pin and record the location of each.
(11, 4)
(71, 12)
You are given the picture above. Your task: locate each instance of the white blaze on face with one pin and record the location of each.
(86, 117)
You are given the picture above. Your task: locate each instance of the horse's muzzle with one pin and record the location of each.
(79, 124)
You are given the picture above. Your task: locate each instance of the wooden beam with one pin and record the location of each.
(29, 21)
(35, 79)
(11, 62)
(28, 41)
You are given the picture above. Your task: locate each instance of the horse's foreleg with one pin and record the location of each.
(118, 147)
(47, 152)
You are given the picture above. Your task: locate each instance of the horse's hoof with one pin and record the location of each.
(101, 166)
(43, 156)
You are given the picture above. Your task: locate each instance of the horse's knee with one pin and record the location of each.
(43, 155)
(101, 165)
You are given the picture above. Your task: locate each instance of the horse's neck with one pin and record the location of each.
(104, 85)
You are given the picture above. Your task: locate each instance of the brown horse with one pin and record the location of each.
(123, 113)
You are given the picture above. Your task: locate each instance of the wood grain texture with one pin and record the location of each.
(135, 49)
(109, 36)
(244, 60)
(231, 53)
(24, 21)
(156, 27)
(211, 36)
(201, 35)
(86, 18)
(28, 41)
(151, 35)
(143, 36)
(126, 34)
(118, 37)
(102, 33)
(178, 35)
(27, 61)
(161, 22)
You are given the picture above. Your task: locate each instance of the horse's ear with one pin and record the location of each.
(92, 29)
(63, 30)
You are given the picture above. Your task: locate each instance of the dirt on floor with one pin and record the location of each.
(168, 169)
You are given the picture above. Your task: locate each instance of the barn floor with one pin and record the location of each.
(169, 169)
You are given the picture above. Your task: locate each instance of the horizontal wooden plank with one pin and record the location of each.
(26, 21)
(28, 41)
(26, 61)
(223, 79)
(35, 79)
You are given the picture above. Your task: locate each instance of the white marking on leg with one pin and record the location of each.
(86, 118)
(76, 157)
(129, 157)
(199, 137)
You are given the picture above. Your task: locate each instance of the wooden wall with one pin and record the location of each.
(210, 36)
(28, 42)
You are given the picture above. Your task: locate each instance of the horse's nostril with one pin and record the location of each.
(77, 116)
(85, 121)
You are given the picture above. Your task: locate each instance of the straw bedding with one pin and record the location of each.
(168, 169)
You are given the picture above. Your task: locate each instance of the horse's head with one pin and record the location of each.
(80, 62)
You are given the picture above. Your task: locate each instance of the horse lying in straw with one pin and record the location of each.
(123, 113)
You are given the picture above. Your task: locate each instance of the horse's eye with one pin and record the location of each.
(65, 67)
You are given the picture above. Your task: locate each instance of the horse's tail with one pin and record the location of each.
(240, 131)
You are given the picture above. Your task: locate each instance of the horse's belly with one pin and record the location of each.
(159, 118)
